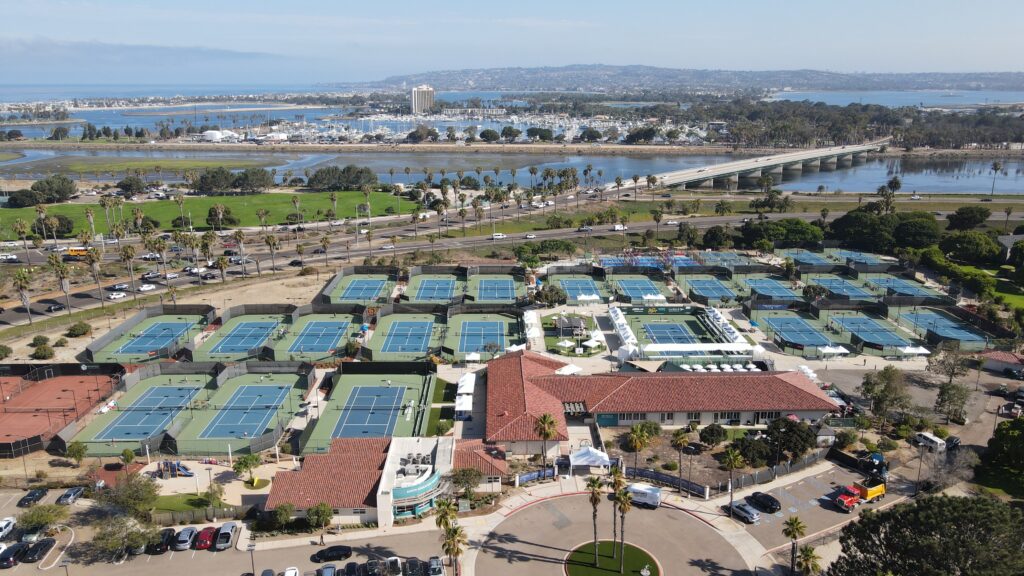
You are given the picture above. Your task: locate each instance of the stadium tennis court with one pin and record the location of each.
(476, 335)
(943, 326)
(405, 336)
(319, 336)
(157, 336)
(669, 333)
(362, 289)
(637, 289)
(497, 289)
(710, 288)
(575, 288)
(436, 289)
(371, 411)
(247, 413)
(772, 288)
(870, 330)
(149, 414)
(797, 331)
(244, 337)
(899, 286)
(843, 288)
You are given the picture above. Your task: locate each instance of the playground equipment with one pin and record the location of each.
(171, 469)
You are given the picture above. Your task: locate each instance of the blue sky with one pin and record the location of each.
(306, 41)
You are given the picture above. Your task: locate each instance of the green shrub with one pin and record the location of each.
(670, 466)
(650, 428)
(60, 342)
(904, 431)
(78, 329)
(307, 271)
(443, 426)
(886, 445)
(870, 446)
(39, 341)
(5, 351)
(43, 352)
(845, 439)
(941, 432)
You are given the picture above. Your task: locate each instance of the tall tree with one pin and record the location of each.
(272, 242)
(595, 494)
(62, 273)
(997, 169)
(732, 461)
(638, 440)
(624, 503)
(794, 529)
(453, 545)
(808, 561)
(545, 428)
(617, 483)
(886, 389)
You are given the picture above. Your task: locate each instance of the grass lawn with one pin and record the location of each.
(444, 391)
(1011, 292)
(436, 418)
(243, 207)
(581, 561)
(106, 165)
(5, 156)
(180, 503)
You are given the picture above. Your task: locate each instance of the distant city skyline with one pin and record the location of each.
(311, 41)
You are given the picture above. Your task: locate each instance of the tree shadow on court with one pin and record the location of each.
(509, 547)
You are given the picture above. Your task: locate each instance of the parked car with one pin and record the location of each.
(32, 497)
(150, 276)
(268, 572)
(952, 442)
(231, 252)
(225, 536)
(295, 263)
(146, 287)
(352, 569)
(744, 512)
(55, 308)
(375, 568)
(394, 566)
(333, 553)
(435, 567)
(291, 572)
(205, 538)
(39, 550)
(388, 247)
(116, 296)
(208, 276)
(185, 538)
(693, 449)
(531, 236)
(71, 495)
(14, 554)
(328, 570)
(319, 251)
(151, 257)
(585, 229)
(766, 502)
(415, 567)
(1015, 373)
(7, 526)
(163, 542)
(672, 223)
(33, 533)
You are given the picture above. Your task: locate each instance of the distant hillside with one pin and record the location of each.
(603, 78)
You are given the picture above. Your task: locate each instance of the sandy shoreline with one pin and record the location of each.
(446, 148)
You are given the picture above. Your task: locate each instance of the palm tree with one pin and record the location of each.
(53, 223)
(624, 503)
(90, 216)
(391, 173)
(22, 282)
(462, 215)
(723, 208)
(221, 264)
(595, 493)
(262, 214)
(41, 217)
(446, 513)
(808, 561)
(638, 440)
(239, 237)
(1008, 210)
(127, 257)
(636, 185)
(765, 183)
(299, 251)
(62, 273)
(21, 228)
(218, 212)
(997, 169)
(173, 293)
(657, 215)
(618, 187)
(545, 428)
(794, 529)
(333, 197)
(92, 260)
(680, 439)
(325, 243)
(137, 218)
(453, 544)
(731, 461)
(295, 204)
(272, 243)
(617, 483)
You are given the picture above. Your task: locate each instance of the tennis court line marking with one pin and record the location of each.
(217, 420)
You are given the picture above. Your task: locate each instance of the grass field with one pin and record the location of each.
(5, 156)
(243, 207)
(106, 165)
(1012, 294)
(581, 561)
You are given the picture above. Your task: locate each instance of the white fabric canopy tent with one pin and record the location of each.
(915, 350)
(566, 344)
(591, 343)
(589, 456)
(466, 384)
(464, 403)
(833, 350)
(473, 357)
(569, 369)
(699, 347)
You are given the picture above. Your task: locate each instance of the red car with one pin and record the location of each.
(206, 537)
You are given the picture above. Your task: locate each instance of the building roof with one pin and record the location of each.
(523, 385)
(489, 460)
(345, 477)
(1003, 356)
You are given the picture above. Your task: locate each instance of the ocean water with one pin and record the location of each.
(900, 98)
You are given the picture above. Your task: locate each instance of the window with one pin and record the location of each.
(493, 479)
(763, 416)
(632, 416)
(726, 416)
(693, 416)
(359, 511)
(667, 417)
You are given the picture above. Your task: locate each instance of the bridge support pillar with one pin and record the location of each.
(697, 184)
(796, 168)
(844, 160)
(812, 166)
(726, 182)
(828, 164)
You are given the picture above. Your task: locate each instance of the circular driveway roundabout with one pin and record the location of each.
(537, 539)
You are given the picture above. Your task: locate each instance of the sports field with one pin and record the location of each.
(791, 330)
(579, 288)
(147, 339)
(239, 336)
(838, 286)
(669, 329)
(362, 288)
(474, 333)
(403, 337)
(923, 320)
(636, 286)
(315, 337)
(882, 283)
(364, 406)
(435, 288)
(495, 288)
(705, 286)
(147, 409)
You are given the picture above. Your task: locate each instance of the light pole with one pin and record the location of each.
(920, 464)
(64, 565)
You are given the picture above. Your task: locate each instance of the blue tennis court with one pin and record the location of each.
(772, 288)
(899, 286)
(843, 288)
(247, 413)
(436, 289)
(319, 336)
(406, 336)
(943, 326)
(710, 288)
(576, 288)
(797, 331)
(683, 261)
(853, 256)
(806, 257)
(371, 411)
(497, 289)
(362, 289)
(868, 329)
(157, 336)
(670, 333)
(637, 261)
(245, 337)
(725, 259)
(476, 335)
(149, 414)
(636, 288)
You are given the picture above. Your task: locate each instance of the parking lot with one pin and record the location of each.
(812, 500)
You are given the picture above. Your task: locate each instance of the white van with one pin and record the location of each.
(930, 441)
(620, 227)
(645, 494)
(498, 236)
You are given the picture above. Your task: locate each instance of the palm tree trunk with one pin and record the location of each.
(99, 290)
(67, 297)
(792, 558)
(595, 537)
(622, 542)
(615, 529)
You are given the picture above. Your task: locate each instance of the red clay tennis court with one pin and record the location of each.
(31, 412)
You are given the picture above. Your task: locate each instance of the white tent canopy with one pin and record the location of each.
(569, 369)
(591, 343)
(473, 357)
(467, 383)
(566, 344)
(915, 350)
(464, 403)
(589, 456)
(699, 347)
(833, 350)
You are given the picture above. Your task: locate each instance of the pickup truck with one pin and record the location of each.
(870, 490)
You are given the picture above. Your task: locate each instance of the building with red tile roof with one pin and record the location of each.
(999, 360)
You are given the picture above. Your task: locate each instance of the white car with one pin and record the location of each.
(10, 244)
(146, 287)
(171, 276)
(364, 231)
(119, 287)
(672, 223)
(151, 256)
(7, 526)
(337, 223)
(569, 197)
(116, 295)
(291, 572)
(196, 271)
(388, 247)
(531, 236)
(110, 241)
(498, 236)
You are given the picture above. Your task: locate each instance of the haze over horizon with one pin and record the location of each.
(307, 41)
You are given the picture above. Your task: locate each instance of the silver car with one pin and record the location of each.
(745, 512)
(184, 539)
